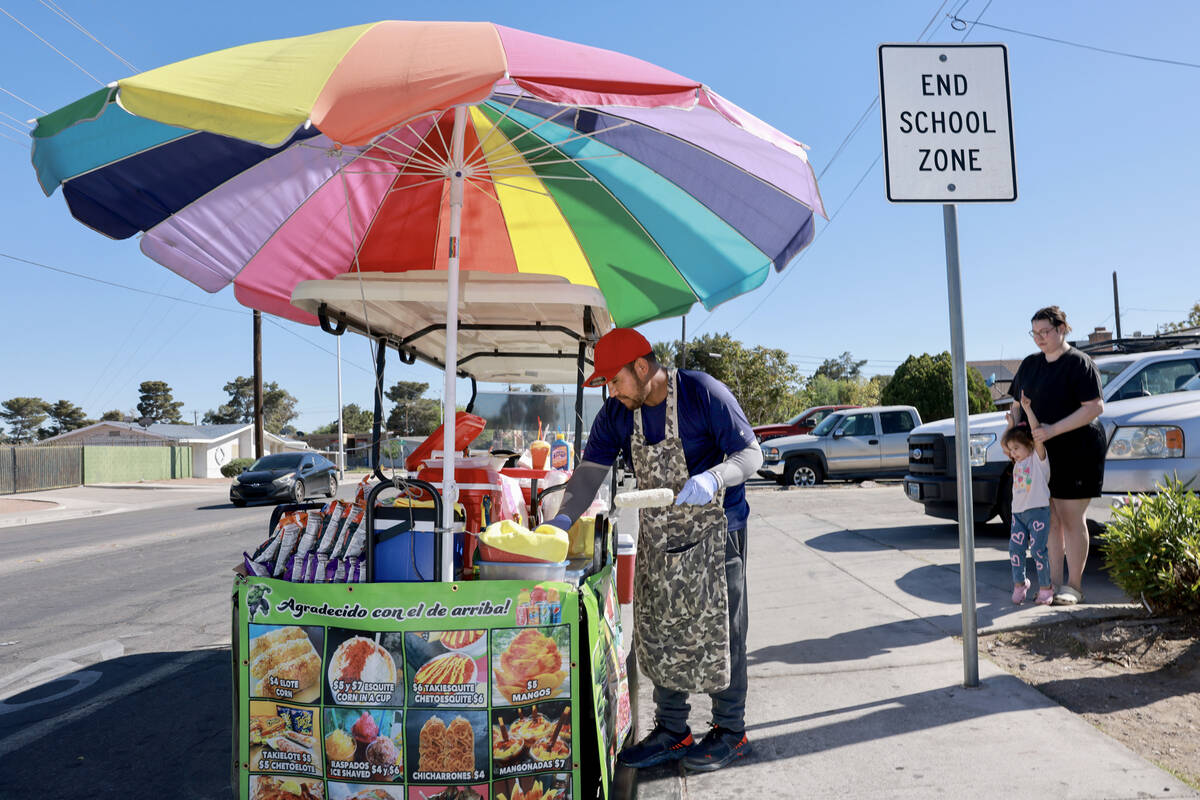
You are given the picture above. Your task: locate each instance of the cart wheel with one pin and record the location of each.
(624, 783)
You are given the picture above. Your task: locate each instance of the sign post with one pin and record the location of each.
(947, 138)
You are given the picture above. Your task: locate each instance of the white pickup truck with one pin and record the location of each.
(931, 477)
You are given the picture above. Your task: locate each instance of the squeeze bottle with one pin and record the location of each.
(560, 453)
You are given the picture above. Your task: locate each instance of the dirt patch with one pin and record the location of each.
(1138, 680)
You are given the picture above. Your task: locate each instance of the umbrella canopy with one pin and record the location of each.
(302, 159)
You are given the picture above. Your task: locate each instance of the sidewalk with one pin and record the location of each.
(856, 678)
(56, 505)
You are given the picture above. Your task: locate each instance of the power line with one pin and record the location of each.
(4, 135)
(27, 125)
(23, 100)
(52, 47)
(1122, 53)
(58, 10)
(117, 285)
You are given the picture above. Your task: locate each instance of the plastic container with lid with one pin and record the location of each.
(521, 571)
(626, 562)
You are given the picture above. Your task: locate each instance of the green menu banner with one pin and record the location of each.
(414, 691)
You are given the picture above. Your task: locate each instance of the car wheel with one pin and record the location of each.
(332, 484)
(298, 491)
(239, 503)
(803, 472)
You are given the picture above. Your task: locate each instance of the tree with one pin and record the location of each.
(414, 414)
(761, 378)
(354, 420)
(116, 415)
(1192, 321)
(279, 406)
(926, 382)
(841, 368)
(66, 416)
(155, 401)
(24, 415)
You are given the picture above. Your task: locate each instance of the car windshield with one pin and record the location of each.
(827, 424)
(796, 418)
(1110, 370)
(278, 461)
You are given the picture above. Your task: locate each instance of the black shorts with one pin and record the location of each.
(1077, 463)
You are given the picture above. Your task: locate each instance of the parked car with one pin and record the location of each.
(855, 442)
(803, 422)
(1149, 438)
(931, 478)
(285, 476)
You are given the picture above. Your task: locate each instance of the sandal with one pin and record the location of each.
(1067, 595)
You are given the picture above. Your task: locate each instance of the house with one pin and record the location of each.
(998, 375)
(212, 445)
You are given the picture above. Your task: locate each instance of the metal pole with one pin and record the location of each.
(341, 436)
(683, 343)
(962, 441)
(449, 489)
(259, 450)
(1116, 304)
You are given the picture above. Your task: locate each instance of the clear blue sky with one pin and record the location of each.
(1106, 161)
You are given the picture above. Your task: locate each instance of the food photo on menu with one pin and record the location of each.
(285, 662)
(356, 791)
(546, 786)
(284, 738)
(276, 787)
(446, 745)
(364, 744)
(477, 792)
(526, 740)
(362, 669)
(446, 668)
(530, 665)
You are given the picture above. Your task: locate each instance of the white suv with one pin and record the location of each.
(931, 478)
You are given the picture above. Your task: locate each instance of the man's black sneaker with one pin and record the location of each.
(659, 745)
(718, 747)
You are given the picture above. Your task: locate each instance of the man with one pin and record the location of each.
(685, 431)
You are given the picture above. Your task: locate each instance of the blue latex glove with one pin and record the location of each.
(699, 490)
(562, 522)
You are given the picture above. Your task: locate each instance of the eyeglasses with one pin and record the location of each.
(1042, 334)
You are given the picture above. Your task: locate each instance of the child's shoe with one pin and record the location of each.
(1045, 596)
(1019, 592)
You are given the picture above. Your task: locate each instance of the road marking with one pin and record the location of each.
(48, 558)
(46, 727)
(53, 667)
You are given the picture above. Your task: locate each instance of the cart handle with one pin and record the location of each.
(323, 318)
(404, 486)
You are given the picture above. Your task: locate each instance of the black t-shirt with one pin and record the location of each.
(1056, 388)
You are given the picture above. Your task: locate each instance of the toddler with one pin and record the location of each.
(1030, 508)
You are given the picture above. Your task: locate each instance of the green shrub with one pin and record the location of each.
(236, 467)
(1152, 549)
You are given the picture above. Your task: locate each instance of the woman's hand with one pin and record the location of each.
(1043, 432)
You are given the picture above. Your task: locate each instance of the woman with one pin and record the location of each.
(1064, 387)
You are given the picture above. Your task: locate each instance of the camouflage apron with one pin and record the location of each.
(680, 600)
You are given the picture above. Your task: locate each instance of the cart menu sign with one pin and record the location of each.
(427, 691)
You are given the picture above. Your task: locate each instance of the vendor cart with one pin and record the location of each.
(431, 683)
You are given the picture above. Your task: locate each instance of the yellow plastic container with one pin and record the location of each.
(582, 538)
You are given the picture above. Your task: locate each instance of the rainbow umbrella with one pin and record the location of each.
(298, 159)
(379, 148)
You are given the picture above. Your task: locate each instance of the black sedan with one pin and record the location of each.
(285, 476)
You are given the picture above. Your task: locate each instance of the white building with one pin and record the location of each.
(212, 445)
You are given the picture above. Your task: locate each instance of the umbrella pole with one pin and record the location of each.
(449, 486)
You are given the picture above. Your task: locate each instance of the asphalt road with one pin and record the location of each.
(114, 651)
(114, 630)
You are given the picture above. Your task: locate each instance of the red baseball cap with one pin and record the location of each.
(618, 347)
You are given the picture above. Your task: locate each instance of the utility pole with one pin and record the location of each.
(259, 450)
(195, 417)
(1116, 304)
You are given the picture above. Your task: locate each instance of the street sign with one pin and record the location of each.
(947, 123)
